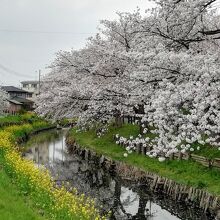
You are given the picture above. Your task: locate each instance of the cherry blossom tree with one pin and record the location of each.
(184, 71)
(3, 101)
(164, 66)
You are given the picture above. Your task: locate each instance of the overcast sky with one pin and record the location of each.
(32, 31)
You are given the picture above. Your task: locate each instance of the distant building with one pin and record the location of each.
(31, 86)
(18, 99)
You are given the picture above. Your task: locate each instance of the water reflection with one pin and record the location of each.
(125, 199)
(46, 148)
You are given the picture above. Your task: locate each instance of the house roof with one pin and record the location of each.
(30, 82)
(13, 89)
(22, 100)
(15, 102)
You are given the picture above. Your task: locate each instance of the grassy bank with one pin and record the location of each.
(37, 184)
(12, 204)
(18, 119)
(184, 172)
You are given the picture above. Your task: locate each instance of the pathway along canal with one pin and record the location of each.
(125, 199)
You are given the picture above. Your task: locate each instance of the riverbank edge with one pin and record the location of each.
(176, 191)
(14, 205)
(63, 193)
(22, 139)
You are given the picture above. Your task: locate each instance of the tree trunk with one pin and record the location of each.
(118, 120)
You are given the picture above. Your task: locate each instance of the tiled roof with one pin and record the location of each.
(15, 102)
(12, 89)
(22, 100)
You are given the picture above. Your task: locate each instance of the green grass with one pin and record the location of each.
(208, 151)
(13, 205)
(184, 172)
(22, 133)
(7, 120)
(10, 119)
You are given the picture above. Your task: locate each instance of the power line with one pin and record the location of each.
(45, 32)
(10, 71)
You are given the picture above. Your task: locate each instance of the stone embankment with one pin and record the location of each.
(158, 184)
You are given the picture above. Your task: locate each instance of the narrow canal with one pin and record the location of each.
(125, 199)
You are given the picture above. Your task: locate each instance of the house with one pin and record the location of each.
(18, 99)
(31, 86)
(13, 106)
(16, 92)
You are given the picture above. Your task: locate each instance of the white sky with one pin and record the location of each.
(25, 44)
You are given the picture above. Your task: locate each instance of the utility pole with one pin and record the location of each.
(39, 80)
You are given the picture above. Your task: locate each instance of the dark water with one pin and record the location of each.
(125, 199)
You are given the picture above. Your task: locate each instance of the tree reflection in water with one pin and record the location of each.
(125, 198)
